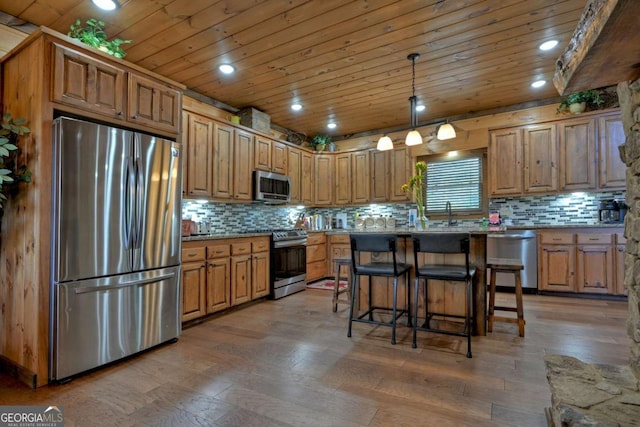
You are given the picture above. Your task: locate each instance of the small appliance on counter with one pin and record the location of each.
(611, 211)
(341, 220)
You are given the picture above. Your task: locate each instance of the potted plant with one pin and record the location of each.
(92, 33)
(415, 185)
(319, 142)
(10, 173)
(577, 102)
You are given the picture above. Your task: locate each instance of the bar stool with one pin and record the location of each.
(339, 263)
(511, 266)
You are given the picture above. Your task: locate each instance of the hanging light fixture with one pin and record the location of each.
(446, 131)
(385, 143)
(413, 137)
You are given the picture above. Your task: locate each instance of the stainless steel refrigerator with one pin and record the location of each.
(115, 279)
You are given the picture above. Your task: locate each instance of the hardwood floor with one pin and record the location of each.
(289, 363)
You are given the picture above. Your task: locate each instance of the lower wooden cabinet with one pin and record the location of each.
(618, 259)
(582, 260)
(218, 274)
(316, 256)
(338, 246)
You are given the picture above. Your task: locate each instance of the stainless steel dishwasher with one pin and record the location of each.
(519, 244)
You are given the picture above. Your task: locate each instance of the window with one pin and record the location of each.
(456, 180)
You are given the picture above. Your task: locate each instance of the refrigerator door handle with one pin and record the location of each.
(87, 289)
(129, 178)
(139, 200)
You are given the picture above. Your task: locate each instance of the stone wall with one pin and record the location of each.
(629, 96)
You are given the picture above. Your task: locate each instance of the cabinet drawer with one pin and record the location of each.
(193, 254)
(557, 238)
(218, 251)
(316, 238)
(241, 248)
(260, 245)
(316, 253)
(340, 239)
(595, 239)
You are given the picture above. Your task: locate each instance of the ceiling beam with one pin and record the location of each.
(604, 49)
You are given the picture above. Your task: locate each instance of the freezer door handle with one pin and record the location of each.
(87, 289)
(128, 211)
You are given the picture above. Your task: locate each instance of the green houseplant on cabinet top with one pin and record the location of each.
(92, 33)
(319, 142)
(577, 102)
(10, 173)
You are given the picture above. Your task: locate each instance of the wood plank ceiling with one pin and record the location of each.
(344, 61)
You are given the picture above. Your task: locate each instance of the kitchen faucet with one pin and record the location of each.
(447, 208)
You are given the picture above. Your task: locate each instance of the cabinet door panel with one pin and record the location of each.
(324, 180)
(612, 169)
(240, 279)
(379, 176)
(222, 157)
(262, 153)
(260, 277)
(505, 162)
(540, 159)
(343, 179)
(400, 171)
(621, 288)
(360, 177)
(577, 154)
(279, 158)
(199, 141)
(81, 81)
(218, 284)
(242, 165)
(557, 268)
(595, 269)
(153, 104)
(307, 171)
(193, 290)
(295, 173)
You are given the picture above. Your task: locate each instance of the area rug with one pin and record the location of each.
(326, 285)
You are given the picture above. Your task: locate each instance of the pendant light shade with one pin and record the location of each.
(385, 143)
(413, 138)
(446, 131)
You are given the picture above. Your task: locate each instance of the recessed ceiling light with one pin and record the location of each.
(332, 125)
(548, 45)
(296, 107)
(106, 4)
(420, 107)
(538, 83)
(226, 68)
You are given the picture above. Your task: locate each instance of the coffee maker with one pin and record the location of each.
(611, 211)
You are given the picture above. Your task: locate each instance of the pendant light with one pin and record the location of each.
(413, 137)
(446, 131)
(385, 143)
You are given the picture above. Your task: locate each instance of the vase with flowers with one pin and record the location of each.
(415, 186)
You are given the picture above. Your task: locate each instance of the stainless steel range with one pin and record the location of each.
(288, 262)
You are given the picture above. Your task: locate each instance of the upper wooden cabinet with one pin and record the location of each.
(360, 181)
(557, 156)
(232, 162)
(198, 140)
(323, 179)
(540, 159)
(505, 162)
(262, 153)
(379, 176)
(343, 179)
(80, 80)
(400, 170)
(242, 165)
(577, 146)
(307, 179)
(294, 160)
(611, 136)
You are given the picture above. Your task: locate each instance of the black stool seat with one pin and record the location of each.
(381, 247)
(439, 244)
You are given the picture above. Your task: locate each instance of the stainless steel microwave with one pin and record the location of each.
(271, 187)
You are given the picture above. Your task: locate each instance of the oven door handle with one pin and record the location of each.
(289, 243)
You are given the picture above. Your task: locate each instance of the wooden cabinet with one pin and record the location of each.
(194, 279)
(618, 260)
(360, 182)
(198, 140)
(279, 158)
(577, 147)
(379, 175)
(242, 165)
(540, 159)
(307, 179)
(153, 104)
(585, 260)
(260, 267)
(262, 153)
(316, 256)
(323, 180)
(505, 160)
(295, 173)
(595, 263)
(218, 277)
(556, 263)
(400, 170)
(611, 168)
(338, 245)
(85, 82)
(343, 179)
(82, 81)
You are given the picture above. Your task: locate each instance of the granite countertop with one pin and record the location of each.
(405, 230)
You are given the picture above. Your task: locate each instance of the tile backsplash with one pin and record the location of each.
(559, 209)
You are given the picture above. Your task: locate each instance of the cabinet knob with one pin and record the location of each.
(135, 116)
(119, 113)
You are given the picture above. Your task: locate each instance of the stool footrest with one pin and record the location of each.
(509, 319)
(514, 309)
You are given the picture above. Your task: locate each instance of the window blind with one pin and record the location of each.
(457, 181)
